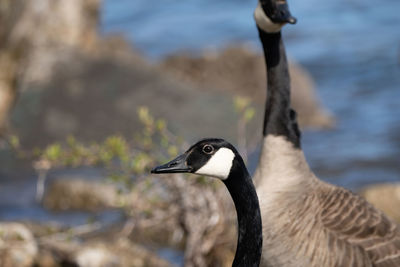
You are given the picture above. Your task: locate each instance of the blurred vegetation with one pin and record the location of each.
(116, 154)
(152, 145)
(185, 213)
(126, 161)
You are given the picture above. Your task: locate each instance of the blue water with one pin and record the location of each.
(351, 47)
(18, 201)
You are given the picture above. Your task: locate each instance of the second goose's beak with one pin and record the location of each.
(177, 165)
(283, 14)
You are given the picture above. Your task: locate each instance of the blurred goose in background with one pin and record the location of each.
(218, 158)
(307, 222)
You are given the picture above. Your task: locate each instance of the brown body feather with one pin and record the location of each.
(348, 218)
(307, 222)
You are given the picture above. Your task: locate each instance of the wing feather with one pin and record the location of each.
(354, 224)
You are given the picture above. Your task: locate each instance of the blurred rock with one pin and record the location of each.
(33, 38)
(12, 55)
(241, 71)
(385, 197)
(62, 246)
(75, 83)
(96, 257)
(51, 27)
(120, 252)
(46, 259)
(79, 194)
(17, 245)
(92, 97)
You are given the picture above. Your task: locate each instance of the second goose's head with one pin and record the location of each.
(210, 157)
(272, 15)
(277, 11)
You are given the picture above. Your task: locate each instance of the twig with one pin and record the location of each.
(75, 231)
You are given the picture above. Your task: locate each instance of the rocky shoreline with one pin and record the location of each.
(31, 244)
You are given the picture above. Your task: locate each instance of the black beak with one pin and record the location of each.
(278, 12)
(177, 165)
(283, 14)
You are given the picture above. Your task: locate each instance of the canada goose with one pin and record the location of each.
(218, 158)
(307, 222)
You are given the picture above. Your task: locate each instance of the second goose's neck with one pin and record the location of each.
(279, 119)
(243, 193)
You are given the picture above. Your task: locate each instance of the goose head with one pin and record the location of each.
(209, 157)
(272, 15)
(277, 11)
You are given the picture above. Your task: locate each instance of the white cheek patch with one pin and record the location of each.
(264, 22)
(219, 165)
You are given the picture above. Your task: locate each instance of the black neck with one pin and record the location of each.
(279, 118)
(243, 193)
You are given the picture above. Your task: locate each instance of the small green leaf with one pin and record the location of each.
(161, 125)
(53, 152)
(14, 141)
(249, 114)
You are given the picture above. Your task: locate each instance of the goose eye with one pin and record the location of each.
(208, 149)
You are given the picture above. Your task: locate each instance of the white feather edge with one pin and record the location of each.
(219, 165)
(264, 22)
